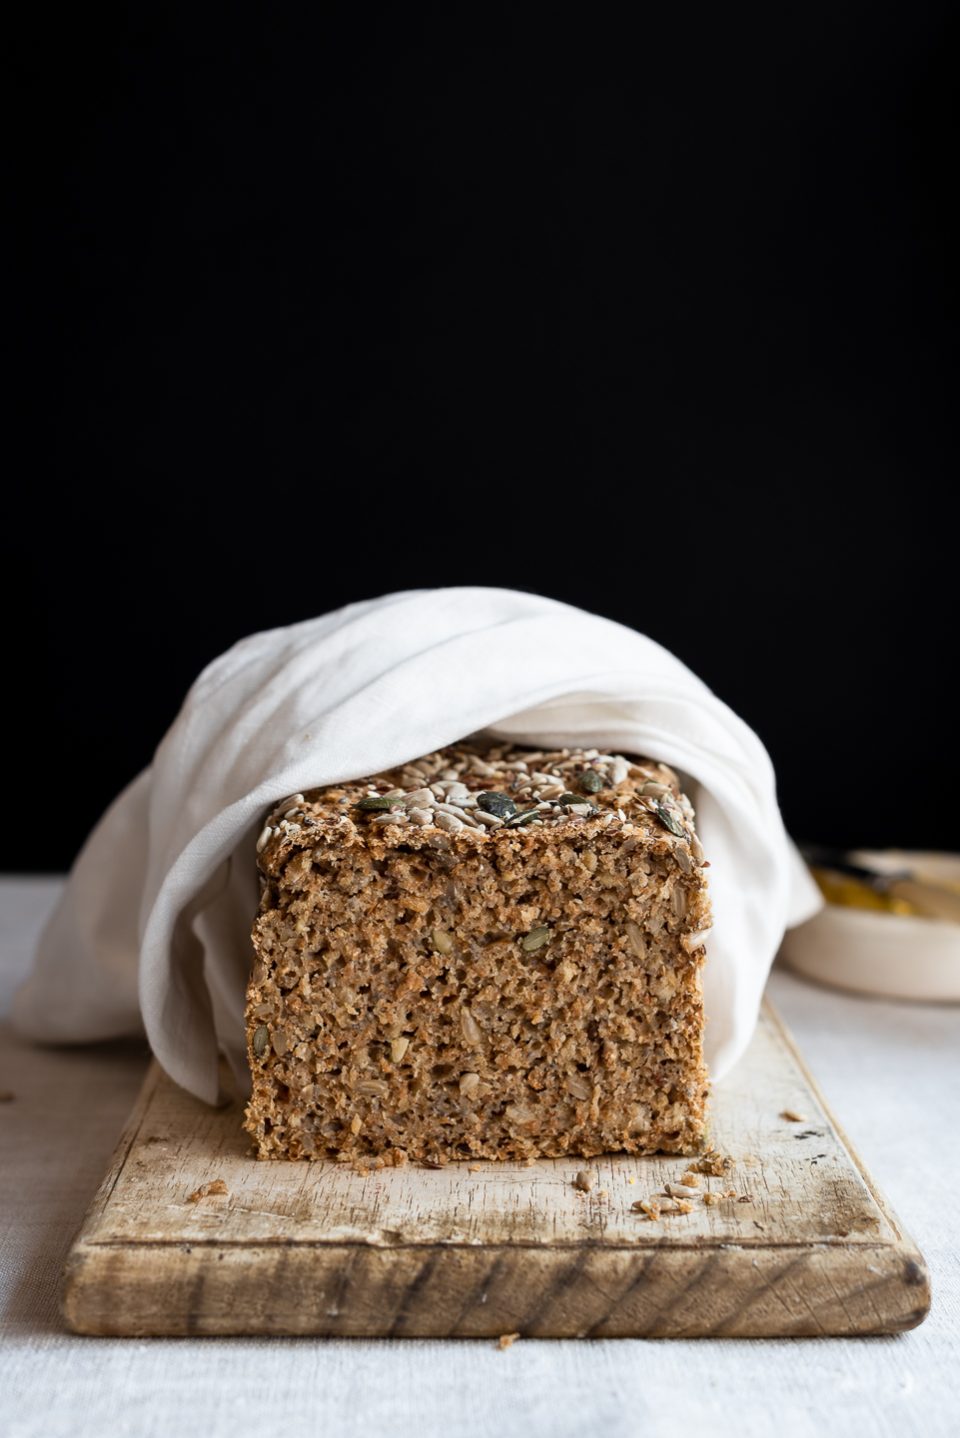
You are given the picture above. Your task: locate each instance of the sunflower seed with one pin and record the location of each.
(469, 1082)
(470, 1028)
(420, 816)
(261, 1037)
(372, 803)
(479, 766)
(400, 818)
(654, 790)
(692, 942)
(451, 809)
(636, 939)
(265, 833)
(535, 939)
(489, 821)
(619, 769)
(683, 859)
(398, 1048)
(442, 941)
(416, 798)
(449, 823)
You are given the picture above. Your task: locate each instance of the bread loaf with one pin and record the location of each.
(490, 953)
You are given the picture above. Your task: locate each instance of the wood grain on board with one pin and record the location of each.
(806, 1246)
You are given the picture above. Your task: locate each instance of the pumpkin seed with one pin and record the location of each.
(591, 782)
(525, 817)
(501, 806)
(668, 816)
(377, 803)
(535, 939)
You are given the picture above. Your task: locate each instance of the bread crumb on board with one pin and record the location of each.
(507, 1340)
(216, 1188)
(660, 1206)
(791, 1115)
(713, 1163)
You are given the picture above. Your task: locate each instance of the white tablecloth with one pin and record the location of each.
(891, 1072)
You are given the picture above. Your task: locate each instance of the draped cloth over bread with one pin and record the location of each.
(153, 929)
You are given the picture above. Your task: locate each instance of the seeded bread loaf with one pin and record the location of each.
(490, 953)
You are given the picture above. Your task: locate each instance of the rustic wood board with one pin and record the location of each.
(808, 1246)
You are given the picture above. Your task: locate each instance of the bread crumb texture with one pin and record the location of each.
(491, 952)
(216, 1188)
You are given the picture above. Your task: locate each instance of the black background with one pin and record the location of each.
(661, 323)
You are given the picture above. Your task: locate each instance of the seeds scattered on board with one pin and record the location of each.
(584, 1180)
(507, 1340)
(714, 1163)
(792, 1116)
(216, 1188)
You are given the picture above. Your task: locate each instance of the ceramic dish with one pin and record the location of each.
(898, 956)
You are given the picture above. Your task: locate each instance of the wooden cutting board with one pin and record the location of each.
(807, 1245)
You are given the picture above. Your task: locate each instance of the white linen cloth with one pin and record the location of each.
(153, 927)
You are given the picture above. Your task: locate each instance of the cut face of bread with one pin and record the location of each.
(492, 953)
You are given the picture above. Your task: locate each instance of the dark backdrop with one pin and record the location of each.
(658, 323)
